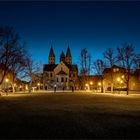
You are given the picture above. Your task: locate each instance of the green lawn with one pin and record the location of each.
(69, 115)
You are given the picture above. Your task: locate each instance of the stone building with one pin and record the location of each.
(63, 75)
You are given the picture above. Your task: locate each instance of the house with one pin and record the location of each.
(135, 82)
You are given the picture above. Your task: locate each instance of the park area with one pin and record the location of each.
(69, 115)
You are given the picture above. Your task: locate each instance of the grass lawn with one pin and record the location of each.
(69, 115)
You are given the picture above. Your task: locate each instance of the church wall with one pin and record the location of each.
(60, 67)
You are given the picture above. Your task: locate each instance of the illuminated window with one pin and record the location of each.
(115, 69)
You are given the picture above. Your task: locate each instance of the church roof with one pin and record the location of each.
(49, 67)
(68, 53)
(114, 66)
(72, 67)
(61, 73)
(51, 54)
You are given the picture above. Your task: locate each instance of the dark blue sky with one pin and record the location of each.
(94, 25)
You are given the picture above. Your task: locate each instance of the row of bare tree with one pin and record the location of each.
(14, 57)
(124, 56)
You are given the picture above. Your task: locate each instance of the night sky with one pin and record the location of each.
(94, 25)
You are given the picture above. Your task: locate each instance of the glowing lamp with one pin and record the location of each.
(91, 83)
(99, 84)
(6, 80)
(118, 79)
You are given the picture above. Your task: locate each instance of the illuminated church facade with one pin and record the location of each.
(63, 75)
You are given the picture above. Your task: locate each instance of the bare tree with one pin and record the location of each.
(85, 65)
(99, 66)
(127, 56)
(18, 66)
(111, 59)
(85, 62)
(11, 53)
(32, 68)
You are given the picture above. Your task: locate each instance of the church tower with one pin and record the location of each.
(68, 58)
(51, 56)
(62, 57)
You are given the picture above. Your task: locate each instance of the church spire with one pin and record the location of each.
(68, 56)
(62, 57)
(51, 56)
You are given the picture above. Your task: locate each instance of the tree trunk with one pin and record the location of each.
(112, 87)
(128, 75)
(13, 88)
(30, 86)
(127, 91)
(102, 86)
(2, 79)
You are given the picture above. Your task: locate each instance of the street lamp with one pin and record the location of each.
(7, 80)
(38, 85)
(118, 79)
(87, 86)
(99, 84)
(122, 76)
(91, 83)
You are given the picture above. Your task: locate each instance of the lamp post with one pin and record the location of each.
(87, 86)
(38, 86)
(120, 81)
(99, 84)
(6, 80)
(91, 83)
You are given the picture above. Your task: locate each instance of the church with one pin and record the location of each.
(62, 76)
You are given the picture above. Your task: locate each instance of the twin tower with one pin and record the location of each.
(66, 59)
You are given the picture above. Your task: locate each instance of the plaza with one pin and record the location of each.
(69, 115)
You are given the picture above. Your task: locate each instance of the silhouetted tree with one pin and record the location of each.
(32, 68)
(85, 62)
(99, 66)
(111, 60)
(85, 65)
(128, 57)
(18, 66)
(11, 53)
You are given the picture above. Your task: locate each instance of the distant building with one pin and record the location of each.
(63, 75)
(90, 82)
(117, 75)
(135, 80)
